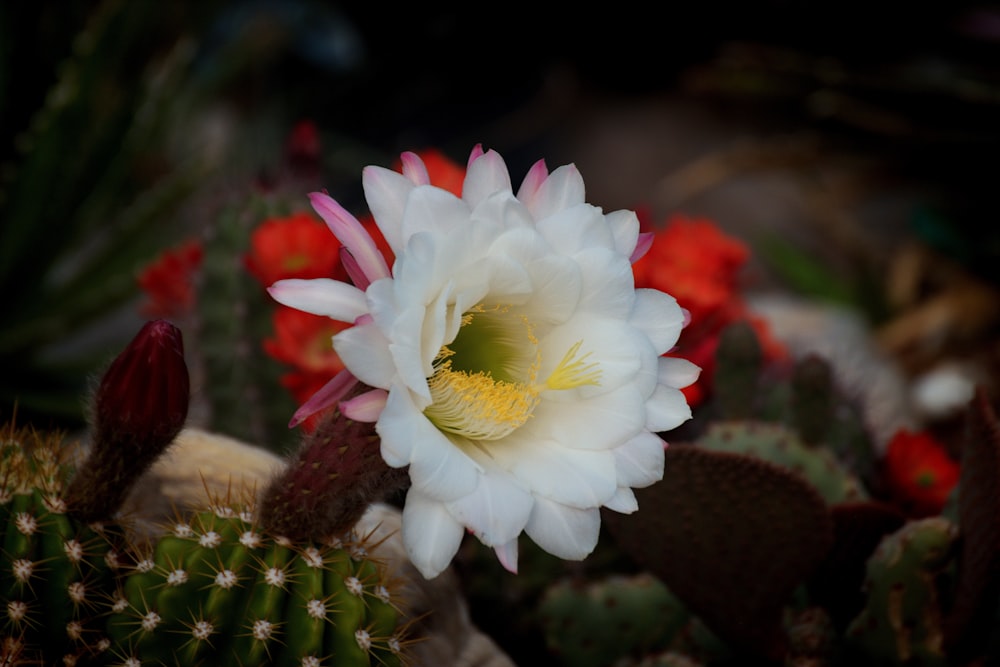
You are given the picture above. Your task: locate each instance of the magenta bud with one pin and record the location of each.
(140, 406)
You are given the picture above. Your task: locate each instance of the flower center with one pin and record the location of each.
(485, 383)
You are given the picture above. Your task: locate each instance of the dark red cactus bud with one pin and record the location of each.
(140, 406)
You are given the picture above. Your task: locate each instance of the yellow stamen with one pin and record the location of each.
(572, 373)
(485, 385)
(476, 406)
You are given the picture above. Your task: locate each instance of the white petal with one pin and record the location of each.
(386, 192)
(438, 468)
(321, 296)
(365, 352)
(485, 175)
(571, 230)
(625, 228)
(532, 182)
(623, 501)
(576, 477)
(658, 316)
(431, 209)
(557, 282)
(639, 462)
(677, 373)
(563, 531)
(561, 190)
(608, 283)
(507, 555)
(666, 409)
(599, 423)
(497, 511)
(431, 535)
(604, 340)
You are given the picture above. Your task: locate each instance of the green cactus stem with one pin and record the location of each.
(901, 623)
(55, 572)
(217, 590)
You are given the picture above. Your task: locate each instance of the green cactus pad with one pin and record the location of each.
(901, 621)
(778, 444)
(216, 591)
(600, 622)
(54, 571)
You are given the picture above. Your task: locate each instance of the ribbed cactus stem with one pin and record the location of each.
(812, 398)
(139, 408)
(337, 473)
(739, 363)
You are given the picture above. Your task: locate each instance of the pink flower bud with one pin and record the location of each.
(140, 406)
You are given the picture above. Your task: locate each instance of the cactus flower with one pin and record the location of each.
(918, 472)
(513, 366)
(140, 406)
(290, 247)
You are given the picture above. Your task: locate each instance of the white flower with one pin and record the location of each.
(515, 368)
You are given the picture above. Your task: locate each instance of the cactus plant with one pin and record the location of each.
(55, 571)
(902, 619)
(778, 444)
(217, 590)
(600, 622)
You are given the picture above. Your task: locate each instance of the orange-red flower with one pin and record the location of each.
(297, 246)
(302, 340)
(168, 281)
(692, 259)
(919, 473)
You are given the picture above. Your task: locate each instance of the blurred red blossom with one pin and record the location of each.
(919, 473)
(169, 281)
(695, 262)
(295, 246)
(302, 340)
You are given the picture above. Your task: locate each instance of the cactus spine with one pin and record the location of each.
(217, 590)
(55, 572)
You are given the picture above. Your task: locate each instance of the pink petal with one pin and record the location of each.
(532, 181)
(642, 246)
(326, 397)
(353, 269)
(477, 152)
(507, 555)
(352, 234)
(414, 168)
(365, 407)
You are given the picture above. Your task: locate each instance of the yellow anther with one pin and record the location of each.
(572, 372)
(476, 406)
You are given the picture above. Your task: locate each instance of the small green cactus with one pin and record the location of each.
(217, 590)
(55, 572)
(779, 444)
(901, 623)
(600, 622)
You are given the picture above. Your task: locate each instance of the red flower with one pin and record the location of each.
(918, 472)
(168, 281)
(692, 260)
(302, 340)
(298, 246)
